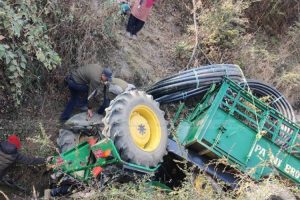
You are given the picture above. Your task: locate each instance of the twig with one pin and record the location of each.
(196, 34)
(34, 193)
(6, 197)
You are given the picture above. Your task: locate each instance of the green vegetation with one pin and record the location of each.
(37, 36)
(222, 24)
(25, 43)
(261, 36)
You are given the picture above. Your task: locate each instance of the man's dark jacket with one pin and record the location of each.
(9, 155)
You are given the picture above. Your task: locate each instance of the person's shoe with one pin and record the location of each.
(128, 34)
(134, 37)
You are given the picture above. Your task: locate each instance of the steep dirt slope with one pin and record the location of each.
(150, 56)
(141, 62)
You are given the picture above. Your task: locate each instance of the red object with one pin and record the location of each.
(142, 11)
(59, 161)
(149, 3)
(106, 153)
(97, 171)
(92, 141)
(13, 139)
(102, 154)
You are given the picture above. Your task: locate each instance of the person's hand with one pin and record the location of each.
(49, 159)
(90, 113)
(50, 166)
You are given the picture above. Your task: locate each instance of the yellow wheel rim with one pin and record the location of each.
(145, 128)
(202, 184)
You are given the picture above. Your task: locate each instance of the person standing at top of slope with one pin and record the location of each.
(139, 14)
(125, 6)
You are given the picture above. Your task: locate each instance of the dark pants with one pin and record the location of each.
(60, 191)
(134, 25)
(76, 90)
(104, 105)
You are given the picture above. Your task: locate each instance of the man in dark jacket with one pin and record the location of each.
(9, 155)
(112, 87)
(83, 84)
(87, 81)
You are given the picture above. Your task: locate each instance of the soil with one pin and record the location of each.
(141, 62)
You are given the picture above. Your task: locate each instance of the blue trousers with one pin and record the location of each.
(76, 90)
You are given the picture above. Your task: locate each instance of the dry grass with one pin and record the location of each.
(195, 186)
(262, 37)
(91, 32)
(276, 64)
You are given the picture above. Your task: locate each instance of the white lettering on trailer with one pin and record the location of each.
(275, 161)
(261, 151)
(292, 171)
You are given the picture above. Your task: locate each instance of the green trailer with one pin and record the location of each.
(231, 123)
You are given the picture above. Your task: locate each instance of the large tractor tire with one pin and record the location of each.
(138, 128)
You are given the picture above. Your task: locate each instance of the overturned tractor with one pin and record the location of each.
(229, 120)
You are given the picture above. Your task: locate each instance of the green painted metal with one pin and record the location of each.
(74, 161)
(82, 159)
(177, 115)
(238, 126)
(204, 103)
(184, 127)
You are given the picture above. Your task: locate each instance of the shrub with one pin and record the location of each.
(223, 23)
(24, 43)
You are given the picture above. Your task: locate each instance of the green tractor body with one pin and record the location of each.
(228, 123)
(87, 160)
